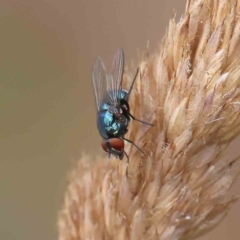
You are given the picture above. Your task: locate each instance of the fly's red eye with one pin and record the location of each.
(104, 146)
(117, 143)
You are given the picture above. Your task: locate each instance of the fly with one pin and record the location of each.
(113, 111)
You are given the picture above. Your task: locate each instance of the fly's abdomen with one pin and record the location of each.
(109, 126)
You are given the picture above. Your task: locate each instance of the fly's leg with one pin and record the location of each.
(150, 124)
(125, 131)
(126, 156)
(131, 87)
(134, 145)
(126, 108)
(126, 112)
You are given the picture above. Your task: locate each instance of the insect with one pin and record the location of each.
(113, 111)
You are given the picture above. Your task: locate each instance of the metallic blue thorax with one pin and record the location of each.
(108, 125)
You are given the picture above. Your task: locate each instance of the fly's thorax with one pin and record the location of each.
(104, 121)
(112, 120)
(110, 126)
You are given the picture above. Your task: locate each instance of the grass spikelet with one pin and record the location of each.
(189, 88)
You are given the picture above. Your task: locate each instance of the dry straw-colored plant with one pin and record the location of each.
(190, 89)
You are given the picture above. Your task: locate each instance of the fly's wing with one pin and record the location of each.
(114, 79)
(99, 82)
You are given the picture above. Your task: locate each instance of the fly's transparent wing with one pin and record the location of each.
(114, 78)
(99, 82)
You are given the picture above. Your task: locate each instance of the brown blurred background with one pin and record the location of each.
(47, 113)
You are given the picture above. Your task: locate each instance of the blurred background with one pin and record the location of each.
(47, 112)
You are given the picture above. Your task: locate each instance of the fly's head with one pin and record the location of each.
(114, 146)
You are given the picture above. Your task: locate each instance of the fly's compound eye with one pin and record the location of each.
(104, 146)
(115, 143)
